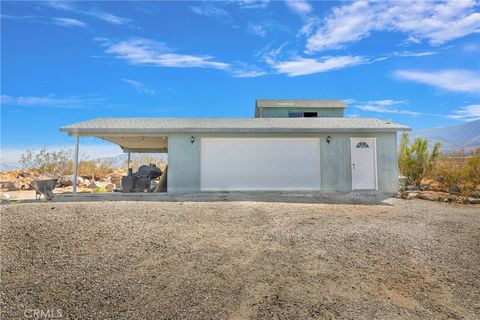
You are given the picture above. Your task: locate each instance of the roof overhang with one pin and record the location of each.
(151, 134)
(146, 144)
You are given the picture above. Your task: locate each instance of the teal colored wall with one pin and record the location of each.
(183, 163)
(283, 112)
(335, 160)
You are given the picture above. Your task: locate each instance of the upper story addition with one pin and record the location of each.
(296, 108)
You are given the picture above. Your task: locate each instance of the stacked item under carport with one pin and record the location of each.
(141, 181)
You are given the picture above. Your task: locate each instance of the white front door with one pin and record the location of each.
(364, 164)
(260, 164)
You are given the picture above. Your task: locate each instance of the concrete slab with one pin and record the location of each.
(288, 197)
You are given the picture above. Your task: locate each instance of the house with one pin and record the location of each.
(288, 145)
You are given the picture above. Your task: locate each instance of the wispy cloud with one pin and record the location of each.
(262, 29)
(69, 22)
(384, 106)
(301, 7)
(140, 87)
(451, 80)
(253, 4)
(305, 66)
(95, 13)
(211, 10)
(436, 22)
(468, 113)
(148, 52)
(51, 101)
(258, 29)
(59, 21)
(243, 70)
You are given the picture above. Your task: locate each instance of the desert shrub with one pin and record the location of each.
(450, 169)
(471, 171)
(49, 162)
(96, 169)
(61, 163)
(26, 160)
(457, 171)
(415, 160)
(99, 190)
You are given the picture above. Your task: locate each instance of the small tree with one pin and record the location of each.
(415, 161)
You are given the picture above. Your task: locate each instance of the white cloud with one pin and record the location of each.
(471, 112)
(253, 4)
(414, 54)
(210, 10)
(300, 7)
(259, 29)
(436, 22)
(384, 106)
(101, 15)
(304, 66)
(51, 101)
(69, 22)
(149, 52)
(452, 80)
(137, 85)
(246, 73)
(59, 21)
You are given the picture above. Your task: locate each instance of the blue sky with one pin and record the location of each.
(416, 63)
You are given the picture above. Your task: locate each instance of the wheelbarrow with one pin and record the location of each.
(44, 187)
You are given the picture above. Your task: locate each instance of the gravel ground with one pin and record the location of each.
(241, 260)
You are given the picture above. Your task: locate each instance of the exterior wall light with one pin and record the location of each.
(192, 139)
(329, 139)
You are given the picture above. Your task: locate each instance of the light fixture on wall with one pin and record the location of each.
(192, 139)
(329, 139)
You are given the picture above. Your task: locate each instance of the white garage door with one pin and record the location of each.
(260, 164)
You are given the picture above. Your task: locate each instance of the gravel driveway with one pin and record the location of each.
(241, 260)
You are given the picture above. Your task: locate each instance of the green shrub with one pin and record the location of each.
(415, 161)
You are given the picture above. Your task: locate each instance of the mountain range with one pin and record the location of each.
(465, 136)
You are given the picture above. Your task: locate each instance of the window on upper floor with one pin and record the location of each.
(295, 114)
(310, 114)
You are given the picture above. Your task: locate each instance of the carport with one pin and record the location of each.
(129, 142)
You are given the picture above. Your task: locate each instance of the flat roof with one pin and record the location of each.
(170, 125)
(299, 103)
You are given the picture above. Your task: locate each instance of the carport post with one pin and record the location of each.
(128, 160)
(75, 164)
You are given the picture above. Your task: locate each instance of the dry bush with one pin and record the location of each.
(60, 163)
(48, 162)
(451, 169)
(97, 169)
(457, 171)
(471, 172)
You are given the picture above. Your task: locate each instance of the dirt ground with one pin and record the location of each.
(241, 260)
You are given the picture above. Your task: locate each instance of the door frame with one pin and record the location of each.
(201, 150)
(374, 140)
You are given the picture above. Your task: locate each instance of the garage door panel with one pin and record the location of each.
(260, 164)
